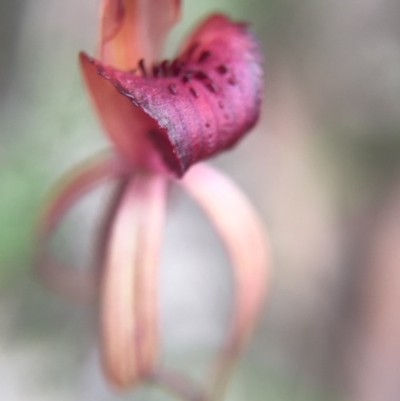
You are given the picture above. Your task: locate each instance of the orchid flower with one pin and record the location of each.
(162, 117)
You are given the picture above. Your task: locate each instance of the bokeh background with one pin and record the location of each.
(322, 168)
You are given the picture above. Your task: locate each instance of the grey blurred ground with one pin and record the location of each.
(323, 169)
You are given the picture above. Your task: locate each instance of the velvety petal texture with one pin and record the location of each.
(204, 101)
(126, 125)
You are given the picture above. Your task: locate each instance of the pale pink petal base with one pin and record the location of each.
(72, 283)
(129, 312)
(130, 249)
(242, 233)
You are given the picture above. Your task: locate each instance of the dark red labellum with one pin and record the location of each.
(205, 100)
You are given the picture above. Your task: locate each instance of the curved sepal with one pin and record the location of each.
(72, 283)
(129, 311)
(241, 231)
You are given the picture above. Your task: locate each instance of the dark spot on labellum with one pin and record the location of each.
(201, 75)
(176, 67)
(174, 63)
(172, 89)
(142, 67)
(176, 70)
(222, 69)
(186, 79)
(204, 56)
(164, 67)
(157, 71)
(226, 115)
(194, 92)
(220, 104)
(232, 80)
(212, 87)
(208, 125)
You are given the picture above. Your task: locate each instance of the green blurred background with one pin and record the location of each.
(322, 167)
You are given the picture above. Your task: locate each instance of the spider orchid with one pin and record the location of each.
(162, 117)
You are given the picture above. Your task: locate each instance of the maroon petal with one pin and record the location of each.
(205, 100)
